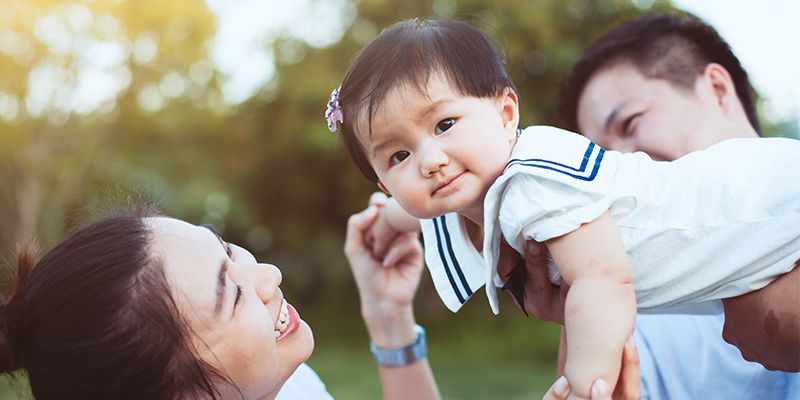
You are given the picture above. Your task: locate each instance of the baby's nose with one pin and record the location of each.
(433, 160)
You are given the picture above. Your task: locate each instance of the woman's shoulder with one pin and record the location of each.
(304, 384)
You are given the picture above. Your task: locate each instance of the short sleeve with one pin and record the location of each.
(557, 182)
(554, 181)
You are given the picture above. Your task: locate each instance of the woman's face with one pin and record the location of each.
(234, 306)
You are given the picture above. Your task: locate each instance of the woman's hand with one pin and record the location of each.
(387, 286)
(628, 385)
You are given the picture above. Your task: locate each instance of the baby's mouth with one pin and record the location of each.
(283, 319)
(443, 186)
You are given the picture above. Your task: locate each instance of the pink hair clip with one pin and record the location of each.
(334, 112)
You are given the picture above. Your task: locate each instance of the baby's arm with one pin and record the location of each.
(600, 307)
(392, 220)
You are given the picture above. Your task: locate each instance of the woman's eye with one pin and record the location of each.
(398, 157)
(444, 125)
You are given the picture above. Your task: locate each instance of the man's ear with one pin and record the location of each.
(508, 106)
(719, 84)
(380, 185)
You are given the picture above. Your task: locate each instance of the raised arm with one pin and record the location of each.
(386, 294)
(600, 306)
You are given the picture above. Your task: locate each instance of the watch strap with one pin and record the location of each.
(403, 355)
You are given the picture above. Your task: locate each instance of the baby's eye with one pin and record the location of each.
(398, 157)
(444, 125)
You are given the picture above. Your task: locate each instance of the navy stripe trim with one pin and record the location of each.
(453, 258)
(445, 264)
(537, 163)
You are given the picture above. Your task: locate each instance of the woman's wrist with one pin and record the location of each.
(402, 356)
(390, 327)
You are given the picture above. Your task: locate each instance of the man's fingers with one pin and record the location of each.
(600, 390)
(559, 391)
(629, 386)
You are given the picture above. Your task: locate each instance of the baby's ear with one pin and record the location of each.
(385, 190)
(508, 105)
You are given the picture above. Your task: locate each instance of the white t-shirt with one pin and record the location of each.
(713, 224)
(304, 384)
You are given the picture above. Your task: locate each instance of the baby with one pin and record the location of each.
(428, 112)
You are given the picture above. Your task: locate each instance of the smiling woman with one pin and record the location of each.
(242, 323)
(141, 306)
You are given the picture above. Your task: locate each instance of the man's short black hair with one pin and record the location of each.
(673, 47)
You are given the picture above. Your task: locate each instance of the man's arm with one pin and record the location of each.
(765, 324)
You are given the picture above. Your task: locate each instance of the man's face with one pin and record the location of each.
(620, 109)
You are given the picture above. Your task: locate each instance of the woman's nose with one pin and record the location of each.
(263, 278)
(268, 278)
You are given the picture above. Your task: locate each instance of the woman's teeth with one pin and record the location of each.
(283, 319)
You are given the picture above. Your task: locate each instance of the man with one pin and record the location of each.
(668, 85)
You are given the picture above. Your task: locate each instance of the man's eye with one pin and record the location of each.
(398, 157)
(629, 126)
(444, 125)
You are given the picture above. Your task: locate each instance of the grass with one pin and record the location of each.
(473, 354)
(351, 374)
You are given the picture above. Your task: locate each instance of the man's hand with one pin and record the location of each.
(628, 385)
(765, 324)
(542, 298)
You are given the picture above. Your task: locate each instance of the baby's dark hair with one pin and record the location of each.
(407, 53)
(674, 47)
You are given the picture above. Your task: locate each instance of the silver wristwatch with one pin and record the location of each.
(404, 355)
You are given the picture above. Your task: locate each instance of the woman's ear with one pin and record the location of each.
(380, 185)
(508, 106)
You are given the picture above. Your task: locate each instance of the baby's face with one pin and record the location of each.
(440, 153)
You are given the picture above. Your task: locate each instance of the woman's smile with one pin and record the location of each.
(288, 321)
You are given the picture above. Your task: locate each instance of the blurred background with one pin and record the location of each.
(216, 108)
